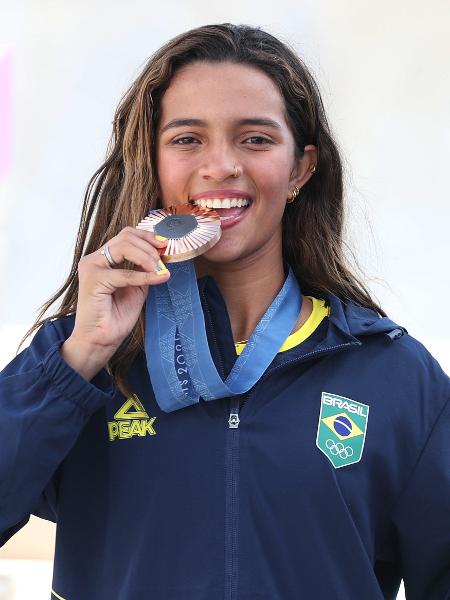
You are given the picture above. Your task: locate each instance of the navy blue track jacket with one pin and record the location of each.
(233, 499)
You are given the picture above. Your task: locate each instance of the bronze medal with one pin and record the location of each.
(191, 230)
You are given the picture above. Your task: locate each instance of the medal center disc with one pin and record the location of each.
(176, 226)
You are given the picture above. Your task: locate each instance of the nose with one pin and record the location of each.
(218, 163)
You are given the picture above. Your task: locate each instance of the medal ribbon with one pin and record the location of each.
(174, 321)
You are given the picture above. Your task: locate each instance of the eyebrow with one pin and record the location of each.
(200, 123)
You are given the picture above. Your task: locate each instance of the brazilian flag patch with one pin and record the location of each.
(342, 427)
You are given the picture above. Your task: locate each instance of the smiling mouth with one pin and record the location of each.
(221, 203)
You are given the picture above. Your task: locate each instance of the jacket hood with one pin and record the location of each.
(359, 321)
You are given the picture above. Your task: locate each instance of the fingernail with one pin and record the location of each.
(161, 268)
(160, 238)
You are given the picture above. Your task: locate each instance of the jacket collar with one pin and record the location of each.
(346, 327)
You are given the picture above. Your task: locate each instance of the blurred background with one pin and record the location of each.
(384, 75)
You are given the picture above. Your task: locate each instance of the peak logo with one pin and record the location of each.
(131, 419)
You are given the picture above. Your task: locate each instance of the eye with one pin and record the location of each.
(182, 141)
(261, 140)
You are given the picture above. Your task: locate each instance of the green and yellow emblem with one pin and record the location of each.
(341, 431)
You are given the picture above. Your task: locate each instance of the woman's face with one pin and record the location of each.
(233, 115)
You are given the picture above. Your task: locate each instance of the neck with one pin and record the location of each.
(248, 287)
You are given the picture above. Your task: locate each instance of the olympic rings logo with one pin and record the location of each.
(339, 448)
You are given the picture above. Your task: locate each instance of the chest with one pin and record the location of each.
(282, 439)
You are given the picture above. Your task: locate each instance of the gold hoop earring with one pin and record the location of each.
(293, 195)
(313, 169)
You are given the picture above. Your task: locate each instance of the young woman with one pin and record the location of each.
(329, 476)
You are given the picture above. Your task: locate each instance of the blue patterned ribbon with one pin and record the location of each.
(175, 321)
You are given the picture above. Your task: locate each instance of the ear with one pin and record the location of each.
(302, 169)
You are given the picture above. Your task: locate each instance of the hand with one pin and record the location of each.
(110, 300)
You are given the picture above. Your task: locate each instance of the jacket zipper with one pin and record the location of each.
(231, 502)
(232, 474)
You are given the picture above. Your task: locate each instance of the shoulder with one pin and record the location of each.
(393, 352)
(414, 386)
(417, 365)
(366, 324)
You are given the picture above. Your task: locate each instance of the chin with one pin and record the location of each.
(219, 257)
(221, 252)
(225, 254)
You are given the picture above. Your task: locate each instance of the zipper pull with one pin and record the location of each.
(233, 421)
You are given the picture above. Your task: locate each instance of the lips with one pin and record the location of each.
(222, 202)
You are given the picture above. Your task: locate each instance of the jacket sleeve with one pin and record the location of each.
(421, 518)
(44, 405)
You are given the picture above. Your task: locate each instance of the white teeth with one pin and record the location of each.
(221, 202)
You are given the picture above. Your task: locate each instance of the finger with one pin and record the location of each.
(158, 242)
(150, 236)
(149, 243)
(120, 278)
(143, 254)
(147, 240)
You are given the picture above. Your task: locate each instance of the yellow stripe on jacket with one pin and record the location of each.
(318, 313)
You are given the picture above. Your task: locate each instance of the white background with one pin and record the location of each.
(384, 75)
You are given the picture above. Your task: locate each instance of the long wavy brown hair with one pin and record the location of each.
(125, 186)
